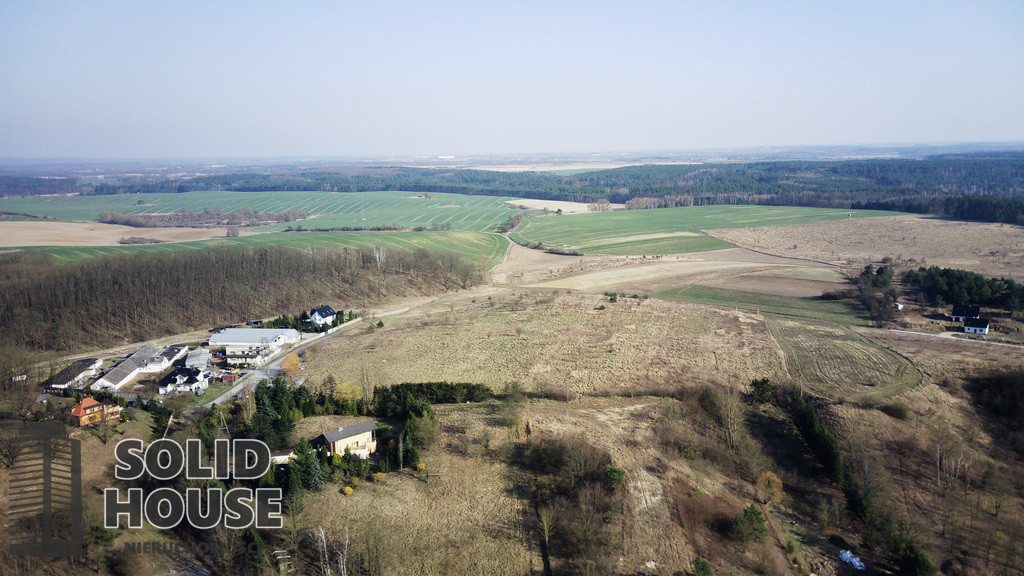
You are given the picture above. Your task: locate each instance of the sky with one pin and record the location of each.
(130, 79)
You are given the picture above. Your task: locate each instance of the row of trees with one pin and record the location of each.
(877, 293)
(862, 494)
(303, 323)
(145, 295)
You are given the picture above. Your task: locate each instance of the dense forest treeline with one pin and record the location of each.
(137, 297)
(985, 187)
(944, 286)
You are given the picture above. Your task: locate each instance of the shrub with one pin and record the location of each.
(380, 323)
(763, 390)
(816, 433)
(769, 488)
(897, 410)
(616, 477)
(347, 490)
(749, 526)
(380, 477)
(912, 561)
(701, 567)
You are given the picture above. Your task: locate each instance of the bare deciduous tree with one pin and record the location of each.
(247, 400)
(342, 553)
(320, 540)
(380, 255)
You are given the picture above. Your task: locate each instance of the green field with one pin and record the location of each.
(836, 311)
(331, 209)
(617, 232)
(474, 246)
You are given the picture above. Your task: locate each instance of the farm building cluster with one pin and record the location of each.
(230, 350)
(179, 369)
(970, 316)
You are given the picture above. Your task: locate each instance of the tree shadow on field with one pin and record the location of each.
(800, 472)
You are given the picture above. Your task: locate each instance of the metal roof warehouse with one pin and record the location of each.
(255, 337)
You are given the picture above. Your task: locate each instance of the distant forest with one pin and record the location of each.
(978, 186)
(131, 298)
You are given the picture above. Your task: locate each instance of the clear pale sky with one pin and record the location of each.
(378, 77)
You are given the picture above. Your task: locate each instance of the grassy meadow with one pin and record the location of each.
(837, 311)
(665, 230)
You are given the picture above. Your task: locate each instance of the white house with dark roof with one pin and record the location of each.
(963, 312)
(360, 439)
(976, 325)
(322, 316)
(184, 380)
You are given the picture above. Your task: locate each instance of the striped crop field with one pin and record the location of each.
(487, 249)
(330, 209)
(664, 230)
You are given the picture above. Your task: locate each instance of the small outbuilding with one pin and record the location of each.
(198, 358)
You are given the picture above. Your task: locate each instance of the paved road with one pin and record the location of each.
(943, 336)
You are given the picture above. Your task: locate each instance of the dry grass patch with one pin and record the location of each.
(465, 520)
(558, 340)
(989, 249)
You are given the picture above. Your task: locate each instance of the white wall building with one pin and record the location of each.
(255, 337)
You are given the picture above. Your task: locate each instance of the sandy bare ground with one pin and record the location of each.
(524, 264)
(555, 205)
(990, 249)
(645, 275)
(15, 234)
